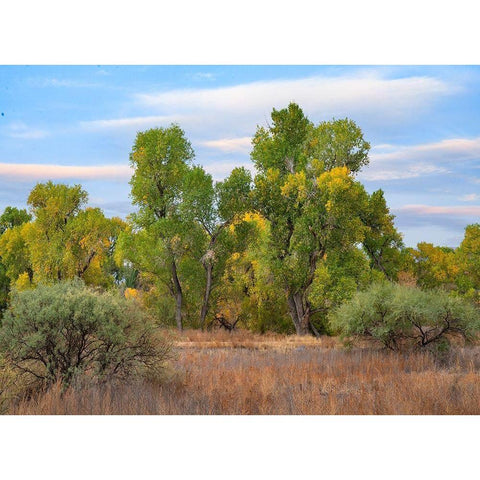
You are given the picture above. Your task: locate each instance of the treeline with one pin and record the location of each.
(276, 252)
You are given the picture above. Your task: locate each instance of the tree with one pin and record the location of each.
(247, 293)
(161, 158)
(434, 266)
(11, 218)
(337, 278)
(382, 243)
(214, 208)
(64, 330)
(54, 206)
(312, 204)
(339, 143)
(16, 254)
(400, 316)
(90, 242)
(62, 242)
(468, 262)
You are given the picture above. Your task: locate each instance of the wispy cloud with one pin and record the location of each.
(60, 82)
(432, 222)
(220, 170)
(203, 76)
(454, 149)
(240, 144)
(44, 172)
(463, 211)
(233, 112)
(130, 122)
(399, 172)
(470, 197)
(319, 94)
(396, 162)
(22, 131)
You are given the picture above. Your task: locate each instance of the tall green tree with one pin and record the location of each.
(306, 190)
(161, 158)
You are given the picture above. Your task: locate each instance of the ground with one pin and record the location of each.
(243, 373)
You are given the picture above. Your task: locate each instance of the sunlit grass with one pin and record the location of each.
(243, 373)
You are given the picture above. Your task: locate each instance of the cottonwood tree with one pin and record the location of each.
(306, 190)
(434, 266)
(248, 292)
(382, 242)
(63, 241)
(214, 207)
(11, 218)
(161, 158)
(467, 258)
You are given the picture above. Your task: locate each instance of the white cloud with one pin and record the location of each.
(424, 210)
(401, 173)
(433, 222)
(24, 132)
(131, 122)
(471, 197)
(454, 149)
(203, 76)
(319, 94)
(221, 170)
(390, 162)
(44, 172)
(56, 82)
(240, 144)
(234, 111)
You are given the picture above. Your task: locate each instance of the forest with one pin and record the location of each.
(298, 251)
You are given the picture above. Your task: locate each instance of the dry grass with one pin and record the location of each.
(220, 373)
(246, 339)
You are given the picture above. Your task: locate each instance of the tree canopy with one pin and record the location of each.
(279, 247)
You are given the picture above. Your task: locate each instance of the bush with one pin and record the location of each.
(54, 333)
(401, 316)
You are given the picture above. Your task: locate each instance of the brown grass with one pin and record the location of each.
(243, 373)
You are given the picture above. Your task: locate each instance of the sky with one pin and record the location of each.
(77, 124)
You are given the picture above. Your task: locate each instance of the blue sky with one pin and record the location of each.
(77, 125)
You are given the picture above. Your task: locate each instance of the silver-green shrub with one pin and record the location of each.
(400, 316)
(58, 332)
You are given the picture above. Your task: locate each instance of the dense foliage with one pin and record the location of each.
(276, 251)
(60, 331)
(400, 316)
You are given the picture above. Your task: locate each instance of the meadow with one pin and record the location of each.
(241, 373)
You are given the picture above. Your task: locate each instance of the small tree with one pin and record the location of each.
(400, 316)
(214, 207)
(57, 332)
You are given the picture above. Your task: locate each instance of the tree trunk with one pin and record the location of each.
(178, 296)
(206, 297)
(300, 313)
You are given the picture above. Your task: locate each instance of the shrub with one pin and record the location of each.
(54, 333)
(401, 316)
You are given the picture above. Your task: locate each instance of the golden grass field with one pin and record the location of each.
(221, 373)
